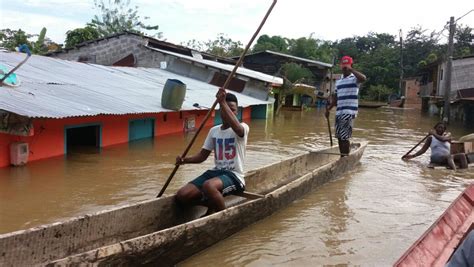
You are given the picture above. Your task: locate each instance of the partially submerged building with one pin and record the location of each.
(271, 62)
(134, 50)
(60, 104)
(433, 86)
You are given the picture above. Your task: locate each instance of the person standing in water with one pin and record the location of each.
(346, 101)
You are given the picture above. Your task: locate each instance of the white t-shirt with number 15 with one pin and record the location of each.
(229, 149)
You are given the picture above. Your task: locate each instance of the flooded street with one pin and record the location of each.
(369, 216)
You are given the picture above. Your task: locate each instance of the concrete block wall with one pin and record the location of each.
(108, 51)
(462, 76)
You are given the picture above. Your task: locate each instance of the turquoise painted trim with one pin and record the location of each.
(66, 127)
(259, 112)
(218, 118)
(141, 131)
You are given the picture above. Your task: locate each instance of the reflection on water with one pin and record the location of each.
(367, 217)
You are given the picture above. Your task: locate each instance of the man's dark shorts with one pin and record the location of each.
(344, 125)
(230, 182)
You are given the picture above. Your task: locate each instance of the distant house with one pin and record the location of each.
(411, 92)
(270, 62)
(433, 84)
(134, 50)
(62, 104)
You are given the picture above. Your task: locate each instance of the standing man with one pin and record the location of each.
(346, 99)
(228, 141)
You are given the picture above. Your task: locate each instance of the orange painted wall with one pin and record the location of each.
(174, 122)
(247, 114)
(48, 138)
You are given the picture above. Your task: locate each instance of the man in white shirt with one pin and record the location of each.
(228, 141)
(346, 98)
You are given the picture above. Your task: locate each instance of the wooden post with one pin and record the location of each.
(401, 64)
(449, 69)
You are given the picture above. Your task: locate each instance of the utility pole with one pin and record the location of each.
(401, 64)
(449, 69)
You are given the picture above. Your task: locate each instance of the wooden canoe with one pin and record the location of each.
(443, 166)
(363, 104)
(438, 243)
(158, 232)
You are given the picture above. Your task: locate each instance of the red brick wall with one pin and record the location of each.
(412, 88)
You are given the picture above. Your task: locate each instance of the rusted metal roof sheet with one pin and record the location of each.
(221, 66)
(55, 88)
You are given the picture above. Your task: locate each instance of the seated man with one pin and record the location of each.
(228, 141)
(440, 144)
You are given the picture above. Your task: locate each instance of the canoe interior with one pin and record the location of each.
(54, 241)
(438, 243)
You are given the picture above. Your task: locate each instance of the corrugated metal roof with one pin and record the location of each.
(55, 88)
(221, 66)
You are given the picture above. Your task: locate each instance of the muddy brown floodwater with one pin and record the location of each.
(369, 216)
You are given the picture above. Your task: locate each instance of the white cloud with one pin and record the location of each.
(33, 23)
(55, 3)
(182, 20)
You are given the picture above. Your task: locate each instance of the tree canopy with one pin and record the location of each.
(377, 55)
(117, 16)
(80, 35)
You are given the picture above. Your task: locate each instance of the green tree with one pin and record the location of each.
(463, 41)
(379, 93)
(347, 47)
(117, 16)
(80, 35)
(311, 48)
(295, 73)
(292, 73)
(381, 66)
(39, 47)
(274, 43)
(418, 45)
(11, 39)
(194, 44)
(222, 46)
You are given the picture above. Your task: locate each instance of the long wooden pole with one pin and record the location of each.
(408, 153)
(229, 78)
(329, 98)
(23, 48)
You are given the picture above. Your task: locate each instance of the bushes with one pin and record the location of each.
(379, 93)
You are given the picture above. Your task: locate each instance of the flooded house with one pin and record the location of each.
(410, 93)
(62, 104)
(433, 86)
(135, 50)
(270, 62)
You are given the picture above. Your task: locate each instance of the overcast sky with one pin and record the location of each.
(182, 20)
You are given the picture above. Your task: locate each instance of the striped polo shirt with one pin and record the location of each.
(347, 91)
